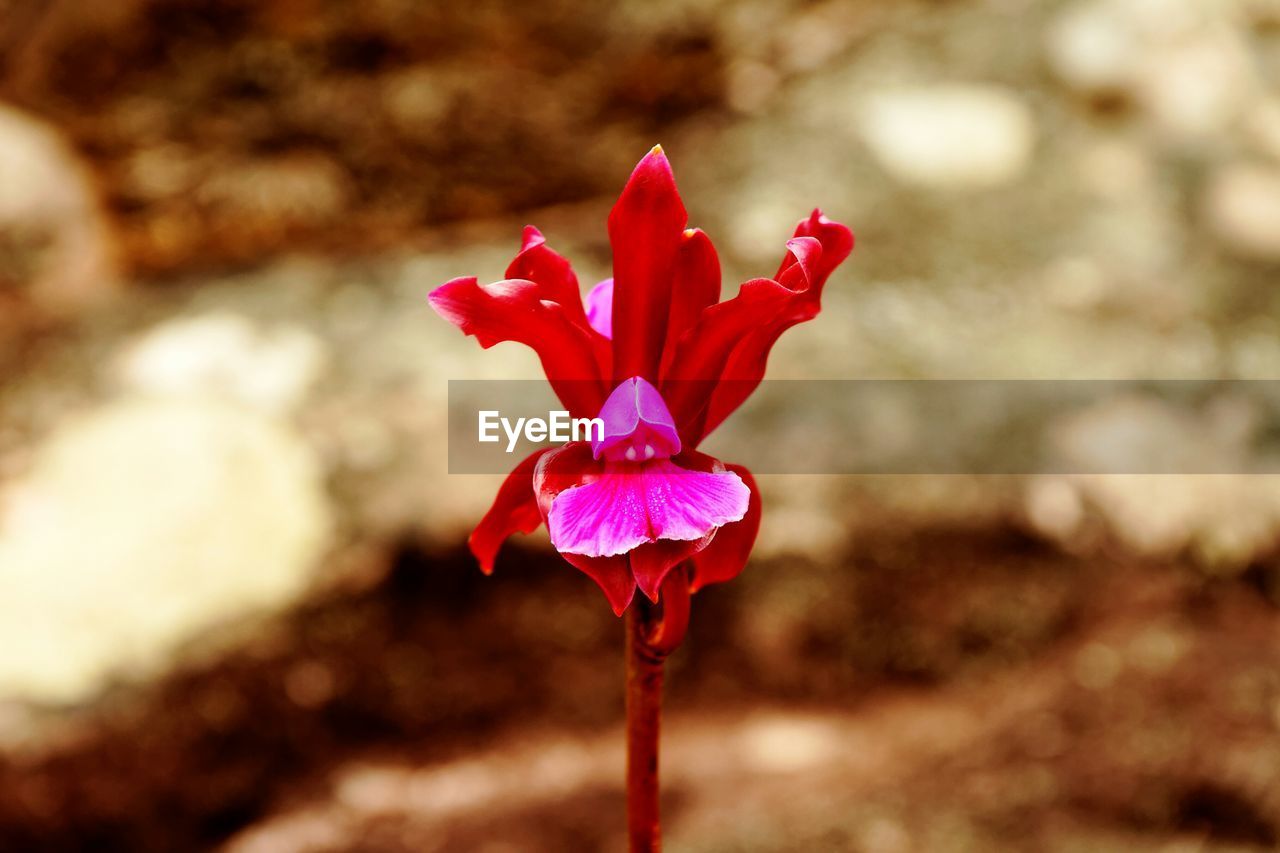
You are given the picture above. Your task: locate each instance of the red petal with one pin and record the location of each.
(550, 271)
(611, 574)
(673, 623)
(703, 352)
(697, 286)
(744, 369)
(514, 510)
(739, 339)
(837, 243)
(645, 230)
(514, 310)
(651, 562)
(726, 555)
(558, 283)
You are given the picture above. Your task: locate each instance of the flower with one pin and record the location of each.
(656, 355)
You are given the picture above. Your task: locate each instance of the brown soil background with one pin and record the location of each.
(941, 675)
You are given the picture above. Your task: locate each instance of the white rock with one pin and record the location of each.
(1054, 507)
(1195, 87)
(1091, 50)
(949, 136)
(1242, 208)
(1185, 64)
(47, 203)
(1262, 125)
(225, 355)
(138, 527)
(1166, 20)
(1074, 282)
(1116, 170)
(1226, 519)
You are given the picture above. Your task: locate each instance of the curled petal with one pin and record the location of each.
(645, 230)
(513, 310)
(732, 340)
(726, 555)
(837, 244)
(600, 308)
(550, 271)
(803, 272)
(514, 510)
(557, 283)
(704, 351)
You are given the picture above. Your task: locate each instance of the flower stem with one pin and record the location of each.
(644, 712)
(653, 632)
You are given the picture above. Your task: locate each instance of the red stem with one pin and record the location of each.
(653, 632)
(644, 711)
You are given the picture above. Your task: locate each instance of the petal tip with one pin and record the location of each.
(620, 605)
(484, 556)
(442, 298)
(531, 237)
(656, 164)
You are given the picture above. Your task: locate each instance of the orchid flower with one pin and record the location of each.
(661, 361)
(656, 355)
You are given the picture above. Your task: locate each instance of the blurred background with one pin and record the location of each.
(235, 607)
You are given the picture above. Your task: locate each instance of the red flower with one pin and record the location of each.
(663, 361)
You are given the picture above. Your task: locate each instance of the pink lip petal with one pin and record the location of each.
(684, 504)
(631, 504)
(602, 518)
